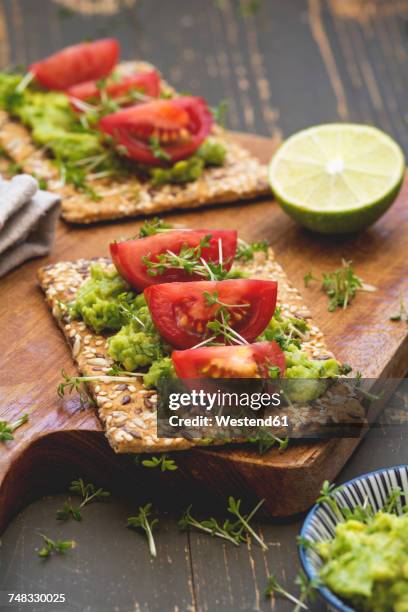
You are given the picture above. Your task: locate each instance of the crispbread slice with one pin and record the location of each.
(242, 177)
(127, 410)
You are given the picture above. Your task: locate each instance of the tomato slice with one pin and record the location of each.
(181, 311)
(180, 125)
(78, 63)
(147, 83)
(244, 361)
(128, 255)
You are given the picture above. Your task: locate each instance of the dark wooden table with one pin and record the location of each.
(282, 65)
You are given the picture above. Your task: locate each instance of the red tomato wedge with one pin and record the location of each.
(180, 125)
(78, 63)
(128, 255)
(181, 311)
(244, 361)
(147, 83)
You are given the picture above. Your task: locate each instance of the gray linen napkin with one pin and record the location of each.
(27, 221)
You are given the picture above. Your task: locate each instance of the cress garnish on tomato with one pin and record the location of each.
(178, 126)
(244, 361)
(147, 83)
(130, 256)
(182, 312)
(77, 63)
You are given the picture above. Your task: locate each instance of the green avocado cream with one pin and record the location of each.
(79, 148)
(52, 121)
(288, 332)
(367, 563)
(211, 153)
(106, 303)
(97, 302)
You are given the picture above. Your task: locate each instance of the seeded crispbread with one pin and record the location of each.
(241, 177)
(127, 410)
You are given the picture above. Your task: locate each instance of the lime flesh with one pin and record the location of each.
(337, 178)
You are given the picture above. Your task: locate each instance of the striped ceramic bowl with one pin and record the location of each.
(321, 521)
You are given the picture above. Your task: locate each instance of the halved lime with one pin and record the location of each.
(337, 178)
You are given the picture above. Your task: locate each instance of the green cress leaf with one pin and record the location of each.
(141, 521)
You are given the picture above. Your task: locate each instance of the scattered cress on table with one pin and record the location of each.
(341, 285)
(51, 547)
(236, 531)
(142, 521)
(7, 428)
(88, 492)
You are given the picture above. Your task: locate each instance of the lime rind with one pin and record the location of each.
(342, 222)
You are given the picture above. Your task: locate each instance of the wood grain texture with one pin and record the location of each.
(261, 64)
(35, 352)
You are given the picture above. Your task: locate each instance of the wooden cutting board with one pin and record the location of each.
(61, 442)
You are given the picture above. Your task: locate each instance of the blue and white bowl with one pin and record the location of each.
(320, 523)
